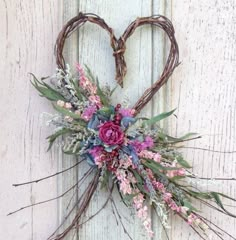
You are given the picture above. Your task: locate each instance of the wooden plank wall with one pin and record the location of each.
(28, 33)
(203, 89)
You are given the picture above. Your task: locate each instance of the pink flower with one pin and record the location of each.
(167, 197)
(159, 186)
(88, 112)
(127, 112)
(149, 142)
(95, 99)
(84, 81)
(97, 155)
(138, 200)
(125, 163)
(96, 151)
(174, 207)
(173, 173)
(192, 218)
(111, 134)
(125, 187)
(142, 212)
(140, 146)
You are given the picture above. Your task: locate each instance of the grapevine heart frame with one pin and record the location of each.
(131, 153)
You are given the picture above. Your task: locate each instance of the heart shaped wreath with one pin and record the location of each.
(123, 150)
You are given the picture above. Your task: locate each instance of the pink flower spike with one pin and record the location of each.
(95, 99)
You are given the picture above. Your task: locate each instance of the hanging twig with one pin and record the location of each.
(52, 199)
(44, 178)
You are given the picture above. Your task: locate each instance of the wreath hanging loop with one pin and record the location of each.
(119, 47)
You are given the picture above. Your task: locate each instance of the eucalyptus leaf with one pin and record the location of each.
(182, 162)
(54, 136)
(45, 90)
(158, 118)
(69, 113)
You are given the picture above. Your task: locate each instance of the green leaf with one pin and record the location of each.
(70, 114)
(158, 118)
(159, 166)
(176, 178)
(113, 90)
(137, 176)
(45, 90)
(106, 111)
(105, 180)
(217, 199)
(90, 74)
(155, 169)
(185, 137)
(203, 195)
(77, 89)
(182, 162)
(189, 206)
(54, 136)
(102, 96)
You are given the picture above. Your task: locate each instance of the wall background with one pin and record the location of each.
(202, 87)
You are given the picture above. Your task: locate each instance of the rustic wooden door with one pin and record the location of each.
(202, 88)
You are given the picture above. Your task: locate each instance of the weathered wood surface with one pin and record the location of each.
(28, 32)
(203, 89)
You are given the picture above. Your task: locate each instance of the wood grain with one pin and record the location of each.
(203, 89)
(28, 32)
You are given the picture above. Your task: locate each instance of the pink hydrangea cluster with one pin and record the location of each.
(142, 213)
(84, 81)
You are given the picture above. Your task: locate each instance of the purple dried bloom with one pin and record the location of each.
(88, 112)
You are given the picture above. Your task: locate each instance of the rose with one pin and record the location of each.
(111, 134)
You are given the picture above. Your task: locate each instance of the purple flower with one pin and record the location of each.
(88, 112)
(140, 146)
(111, 134)
(96, 151)
(149, 142)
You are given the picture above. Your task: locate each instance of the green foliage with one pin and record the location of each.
(54, 136)
(180, 139)
(66, 112)
(102, 96)
(77, 89)
(45, 90)
(182, 162)
(158, 118)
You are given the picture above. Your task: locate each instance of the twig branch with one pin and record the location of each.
(51, 199)
(50, 176)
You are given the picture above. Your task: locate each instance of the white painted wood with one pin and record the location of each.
(28, 31)
(203, 89)
(69, 178)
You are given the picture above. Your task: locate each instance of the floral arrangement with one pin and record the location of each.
(133, 153)
(124, 150)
